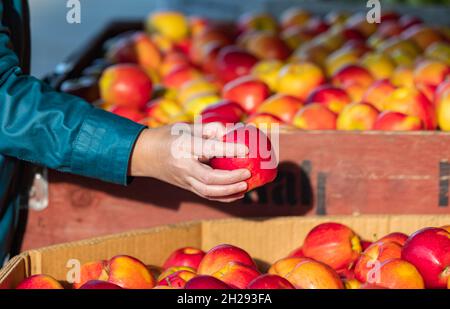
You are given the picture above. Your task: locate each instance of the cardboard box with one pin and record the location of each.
(266, 240)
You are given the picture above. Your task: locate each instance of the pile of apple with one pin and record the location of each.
(332, 256)
(305, 71)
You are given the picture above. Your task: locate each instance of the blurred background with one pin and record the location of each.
(53, 39)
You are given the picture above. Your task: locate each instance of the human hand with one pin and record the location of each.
(177, 155)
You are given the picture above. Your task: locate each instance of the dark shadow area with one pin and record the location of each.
(289, 194)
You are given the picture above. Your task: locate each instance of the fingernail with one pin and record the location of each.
(243, 186)
(246, 174)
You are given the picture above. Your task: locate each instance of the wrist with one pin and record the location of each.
(141, 158)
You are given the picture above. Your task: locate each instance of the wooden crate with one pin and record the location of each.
(323, 173)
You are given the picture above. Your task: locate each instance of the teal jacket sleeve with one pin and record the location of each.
(60, 131)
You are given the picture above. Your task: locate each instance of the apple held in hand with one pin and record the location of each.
(429, 250)
(126, 85)
(333, 244)
(261, 160)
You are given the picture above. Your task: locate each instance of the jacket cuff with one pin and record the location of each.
(103, 147)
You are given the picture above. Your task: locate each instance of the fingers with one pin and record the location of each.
(229, 199)
(218, 191)
(209, 176)
(213, 130)
(210, 148)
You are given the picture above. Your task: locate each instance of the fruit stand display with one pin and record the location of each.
(412, 252)
(363, 110)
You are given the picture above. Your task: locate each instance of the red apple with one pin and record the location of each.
(188, 256)
(129, 113)
(397, 237)
(398, 274)
(429, 250)
(282, 106)
(206, 283)
(333, 244)
(297, 252)
(215, 117)
(312, 274)
(315, 116)
(249, 92)
(393, 121)
(126, 85)
(219, 256)
(376, 253)
(39, 282)
(177, 279)
(226, 108)
(266, 45)
(332, 97)
(261, 160)
(412, 102)
(233, 62)
(270, 282)
(99, 285)
(236, 275)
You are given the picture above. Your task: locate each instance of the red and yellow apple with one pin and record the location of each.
(412, 102)
(429, 250)
(188, 256)
(282, 106)
(247, 91)
(126, 85)
(261, 160)
(299, 79)
(399, 274)
(334, 98)
(236, 275)
(39, 282)
(395, 121)
(375, 254)
(233, 62)
(206, 283)
(357, 116)
(270, 282)
(312, 274)
(334, 244)
(315, 116)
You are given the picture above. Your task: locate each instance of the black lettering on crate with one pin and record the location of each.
(321, 194)
(306, 192)
(284, 188)
(444, 177)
